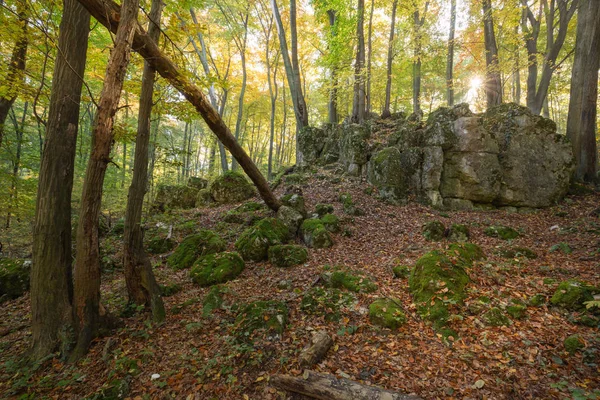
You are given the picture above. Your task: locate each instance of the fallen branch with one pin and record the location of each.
(316, 349)
(328, 387)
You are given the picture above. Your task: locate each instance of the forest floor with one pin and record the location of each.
(196, 356)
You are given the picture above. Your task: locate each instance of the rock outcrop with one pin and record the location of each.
(456, 159)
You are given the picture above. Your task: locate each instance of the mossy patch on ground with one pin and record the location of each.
(268, 317)
(254, 242)
(159, 244)
(572, 295)
(434, 230)
(213, 299)
(401, 271)
(537, 300)
(323, 209)
(329, 302)
(287, 255)
(516, 311)
(247, 213)
(517, 252)
(195, 246)
(352, 280)
(574, 343)
(217, 268)
(349, 206)
(495, 317)
(387, 313)
(467, 253)
(459, 233)
(502, 232)
(14, 277)
(170, 289)
(561, 247)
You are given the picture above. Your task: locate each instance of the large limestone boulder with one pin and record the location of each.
(395, 173)
(311, 141)
(354, 149)
(175, 196)
(231, 187)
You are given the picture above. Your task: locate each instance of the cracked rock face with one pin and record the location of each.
(458, 160)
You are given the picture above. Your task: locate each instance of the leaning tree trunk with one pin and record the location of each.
(86, 299)
(105, 11)
(390, 59)
(493, 84)
(450, 59)
(358, 104)
(16, 68)
(581, 121)
(51, 283)
(139, 277)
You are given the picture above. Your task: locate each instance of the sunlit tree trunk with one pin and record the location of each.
(358, 103)
(332, 106)
(369, 55)
(418, 22)
(390, 59)
(493, 83)
(450, 59)
(241, 43)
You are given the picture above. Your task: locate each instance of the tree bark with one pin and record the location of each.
(16, 67)
(139, 277)
(493, 84)
(328, 387)
(106, 12)
(296, 65)
(581, 120)
(418, 22)
(86, 300)
(19, 130)
(332, 106)
(242, 49)
(390, 59)
(358, 104)
(450, 59)
(316, 350)
(369, 55)
(51, 283)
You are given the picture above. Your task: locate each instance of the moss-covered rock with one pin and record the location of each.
(401, 271)
(352, 280)
(197, 182)
(231, 187)
(287, 255)
(254, 242)
(268, 317)
(537, 300)
(315, 234)
(502, 232)
(170, 289)
(291, 218)
(518, 252)
(195, 246)
(328, 302)
(213, 299)
(434, 230)
(331, 223)
(574, 343)
(173, 197)
(495, 317)
(203, 198)
(572, 295)
(459, 233)
(561, 247)
(14, 277)
(295, 201)
(217, 268)
(467, 253)
(159, 244)
(387, 313)
(322, 209)
(294, 179)
(517, 311)
(349, 207)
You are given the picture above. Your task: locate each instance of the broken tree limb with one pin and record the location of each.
(328, 387)
(107, 13)
(316, 349)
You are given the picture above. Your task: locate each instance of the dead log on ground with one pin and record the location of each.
(316, 349)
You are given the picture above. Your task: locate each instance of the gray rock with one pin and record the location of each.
(290, 217)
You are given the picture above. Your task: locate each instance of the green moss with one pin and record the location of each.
(516, 311)
(354, 281)
(315, 234)
(572, 295)
(213, 299)
(349, 206)
(14, 277)
(331, 223)
(195, 246)
(295, 201)
(401, 271)
(495, 317)
(118, 227)
(254, 242)
(574, 343)
(502, 232)
(387, 313)
(561, 247)
(231, 187)
(217, 268)
(285, 256)
(434, 230)
(294, 179)
(589, 321)
(159, 245)
(537, 300)
(269, 317)
(459, 233)
(468, 253)
(518, 252)
(329, 302)
(322, 209)
(170, 290)
(247, 213)
(203, 198)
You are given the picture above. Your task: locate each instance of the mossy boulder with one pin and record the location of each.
(466, 253)
(195, 246)
(295, 201)
(518, 252)
(328, 302)
(287, 255)
(574, 343)
(203, 198)
(174, 197)
(572, 295)
(291, 218)
(213, 299)
(517, 311)
(387, 313)
(401, 271)
(434, 230)
(349, 206)
(331, 223)
(352, 280)
(14, 277)
(315, 234)
(159, 244)
(459, 233)
(254, 242)
(197, 182)
(231, 187)
(265, 317)
(217, 268)
(322, 209)
(495, 317)
(502, 232)
(537, 300)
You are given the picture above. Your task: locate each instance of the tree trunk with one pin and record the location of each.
(418, 21)
(296, 65)
(581, 121)
(51, 284)
(450, 60)
(86, 300)
(16, 68)
(390, 59)
(238, 122)
(19, 130)
(332, 106)
(493, 84)
(358, 104)
(105, 12)
(370, 53)
(139, 277)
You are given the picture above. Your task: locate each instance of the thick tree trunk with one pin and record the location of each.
(139, 277)
(390, 59)
(106, 12)
(583, 104)
(86, 300)
(332, 106)
(51, 284)
(450, 59)
(16, 68)
(493, 84)
(358, 103)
